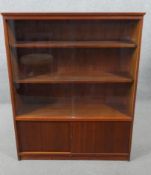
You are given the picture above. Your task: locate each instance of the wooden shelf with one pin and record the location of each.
(75, 44)
(71, 111)
(78, 77)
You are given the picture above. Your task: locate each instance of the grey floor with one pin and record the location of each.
(140, 159)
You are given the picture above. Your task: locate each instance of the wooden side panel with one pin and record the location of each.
(11, 85)
(134, 72)
(100, 137)
(44, 136)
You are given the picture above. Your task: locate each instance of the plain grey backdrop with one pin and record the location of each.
(141, 150)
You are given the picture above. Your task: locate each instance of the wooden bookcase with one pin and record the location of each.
(73, 79)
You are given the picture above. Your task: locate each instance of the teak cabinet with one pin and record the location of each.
(73, 79)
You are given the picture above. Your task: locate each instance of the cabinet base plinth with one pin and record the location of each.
(73, 156)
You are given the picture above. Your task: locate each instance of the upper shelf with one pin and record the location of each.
(75, 44)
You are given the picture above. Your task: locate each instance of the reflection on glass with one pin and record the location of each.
(35, 64)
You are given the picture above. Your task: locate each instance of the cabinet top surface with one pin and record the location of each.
(73, 15)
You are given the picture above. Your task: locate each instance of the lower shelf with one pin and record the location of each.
(71, 111)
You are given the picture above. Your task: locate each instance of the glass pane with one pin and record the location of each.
(72, 69)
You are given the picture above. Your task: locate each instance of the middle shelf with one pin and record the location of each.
(76, 44)
(78, 77)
